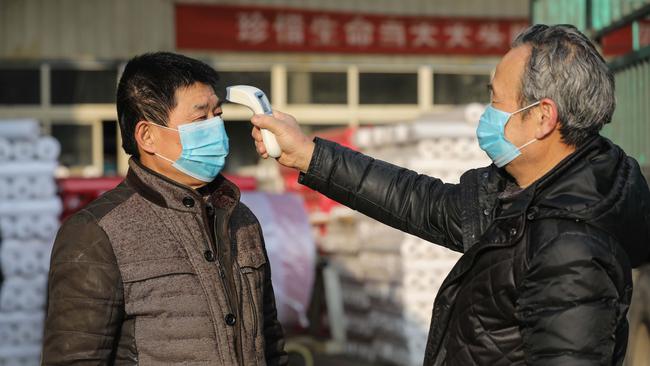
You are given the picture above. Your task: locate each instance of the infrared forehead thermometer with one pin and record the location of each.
(257, 101)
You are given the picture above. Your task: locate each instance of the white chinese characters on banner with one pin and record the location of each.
(458, 34)
(392, 33)
(304, 30)
(252, 28)
(323, 29)
(424, 35)
(489, 36)
(359, 32)
(289, 29)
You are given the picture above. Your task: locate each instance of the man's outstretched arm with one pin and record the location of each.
(411, 202)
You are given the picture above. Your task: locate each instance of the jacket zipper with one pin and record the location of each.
(212, 246)
(238, 340)
(252, 305)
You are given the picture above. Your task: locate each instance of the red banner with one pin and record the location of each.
(621, 41)
(247, 28)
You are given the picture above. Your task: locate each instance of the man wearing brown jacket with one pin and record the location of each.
(169, 267)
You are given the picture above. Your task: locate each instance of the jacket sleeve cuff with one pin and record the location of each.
(315, 177)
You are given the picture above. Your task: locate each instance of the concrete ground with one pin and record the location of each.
(322, 352)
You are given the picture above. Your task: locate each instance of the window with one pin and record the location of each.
(20, 86)
(76, 143)
(317, 87)
(460, 88)
(388, 88)
(260, 80)
(83, 86)
(109, 136)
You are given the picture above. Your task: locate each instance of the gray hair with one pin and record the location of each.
(565, 67)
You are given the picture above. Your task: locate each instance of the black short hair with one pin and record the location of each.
(148, 86)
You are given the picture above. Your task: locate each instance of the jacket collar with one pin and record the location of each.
(164, 192)
(518, 203)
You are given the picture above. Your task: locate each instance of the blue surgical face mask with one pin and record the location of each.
(491, 135)
(205, 147)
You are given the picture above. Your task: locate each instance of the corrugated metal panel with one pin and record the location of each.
(630, 127)
(471, 8)
(560, 12)
(73, 29)
(605, 12)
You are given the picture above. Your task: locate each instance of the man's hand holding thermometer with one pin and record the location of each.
(276, 134)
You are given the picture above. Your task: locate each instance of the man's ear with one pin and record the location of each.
(547, 114)
(145, 137)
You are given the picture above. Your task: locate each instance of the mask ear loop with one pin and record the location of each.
(161, 126)
(169, 128)
(520, 110)
(164, 158)
(526, 144)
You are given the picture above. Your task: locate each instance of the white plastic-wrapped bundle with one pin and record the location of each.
(29, 211)
(42, 186)
(26, 227)
(5, 149)
(23, 355)
(50, 206)
(23, 294)
(15, 168)
(18, 328)
(19, 129)
(23, 150)
(24, 258)
(354, 297)
(23, 227)
(415, 250)
(45, 226)
(362, 138)
(47, 148)
(20, 188)
(5, 188)
(348, 266)
(7, 226)
(26, 187)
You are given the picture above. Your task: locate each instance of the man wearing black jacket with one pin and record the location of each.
(549, 232)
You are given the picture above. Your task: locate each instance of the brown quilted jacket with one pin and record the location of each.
(156, 273)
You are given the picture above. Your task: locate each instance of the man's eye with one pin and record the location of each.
(201, 118)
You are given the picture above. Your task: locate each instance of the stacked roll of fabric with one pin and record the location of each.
(389, 279)
(29, 212)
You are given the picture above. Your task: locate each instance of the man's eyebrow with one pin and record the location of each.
(201, 107)
(205, 106)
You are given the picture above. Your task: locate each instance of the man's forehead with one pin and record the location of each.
(197, 94)
(509, 70)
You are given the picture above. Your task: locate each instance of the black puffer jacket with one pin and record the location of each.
(546, 274)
